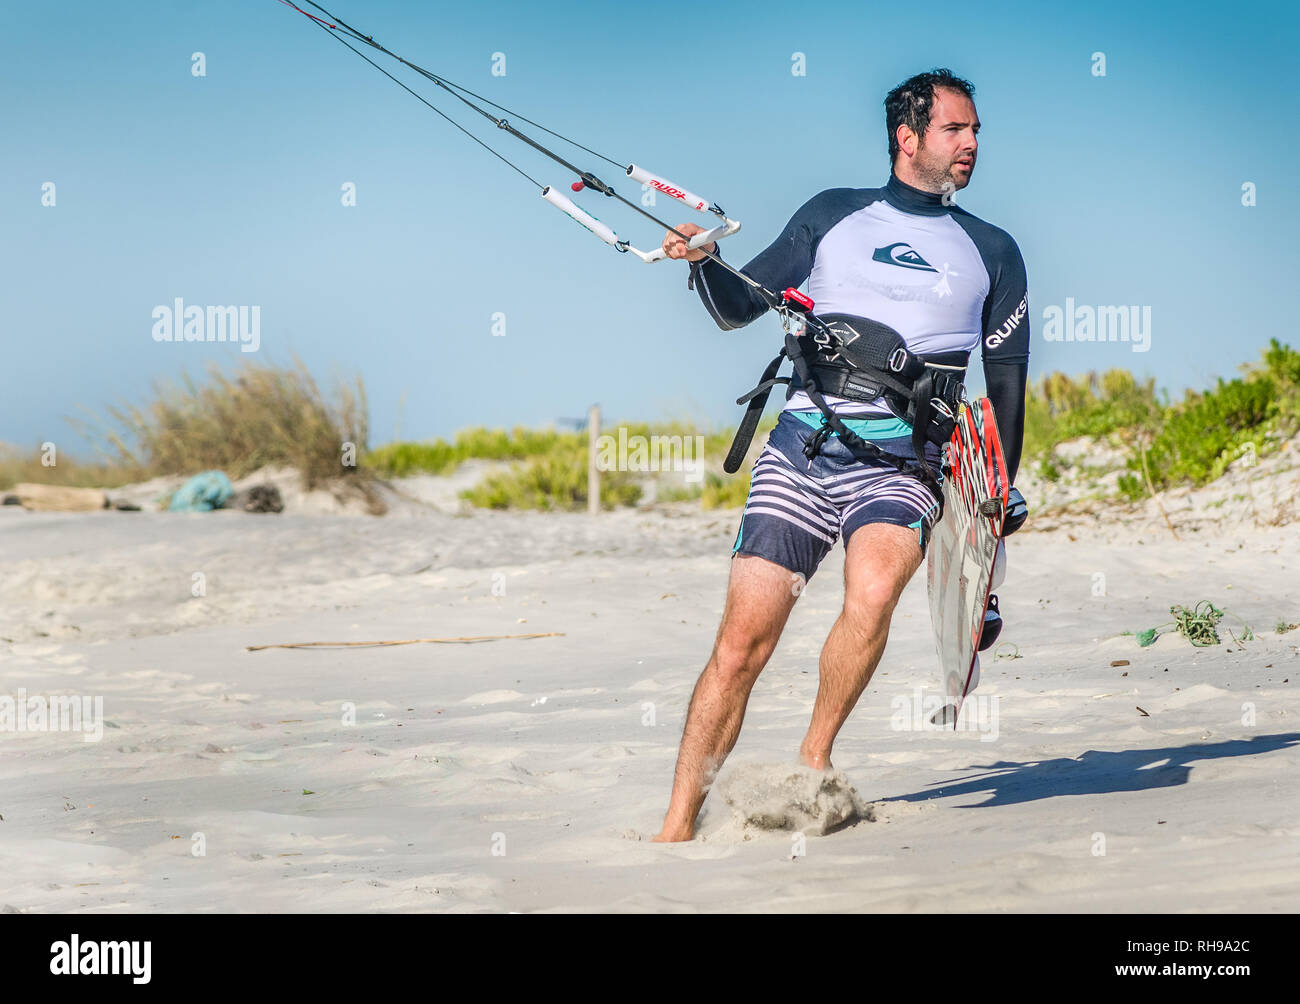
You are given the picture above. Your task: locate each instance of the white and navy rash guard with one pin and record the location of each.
(943, 279)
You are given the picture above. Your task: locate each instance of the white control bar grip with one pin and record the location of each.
(725, 229)
(567, 206)
(662, 185)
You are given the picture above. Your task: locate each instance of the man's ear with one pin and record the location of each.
(907, 139)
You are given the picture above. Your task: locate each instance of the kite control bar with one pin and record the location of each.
(351, 37)
(658, 184)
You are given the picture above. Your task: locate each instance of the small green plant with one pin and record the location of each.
(1131, 487)
(1198, 624)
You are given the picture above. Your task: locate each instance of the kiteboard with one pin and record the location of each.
(965, 548)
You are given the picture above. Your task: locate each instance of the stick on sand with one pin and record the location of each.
(409, 641)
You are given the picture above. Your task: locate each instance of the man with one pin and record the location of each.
(906, 258)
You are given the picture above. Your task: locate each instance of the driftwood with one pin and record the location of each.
(59, 498)
(409, 641)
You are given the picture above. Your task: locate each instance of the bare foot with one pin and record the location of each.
(668, 836)
(817, 761)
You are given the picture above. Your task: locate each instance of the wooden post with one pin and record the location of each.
(593, 475)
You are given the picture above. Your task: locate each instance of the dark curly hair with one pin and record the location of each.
(911, 101)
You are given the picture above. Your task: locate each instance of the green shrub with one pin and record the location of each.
(556, 481)
(1060, 407)
(1282, 363)
(1199, 438)
(441, 457)
(1191, 442)
(402, 459)
(553, 469)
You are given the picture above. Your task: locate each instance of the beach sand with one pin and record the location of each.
(529, 775)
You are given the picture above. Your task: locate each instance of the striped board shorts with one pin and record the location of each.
(797, 508)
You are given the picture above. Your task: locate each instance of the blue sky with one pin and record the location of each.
(225, 189)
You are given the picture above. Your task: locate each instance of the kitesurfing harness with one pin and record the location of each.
(858, 359)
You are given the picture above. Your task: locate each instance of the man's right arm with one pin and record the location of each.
(787, 263)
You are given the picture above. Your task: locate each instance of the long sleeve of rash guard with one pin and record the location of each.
(1006, 350)
(784, 264)
(730, 302)
(1005, 383)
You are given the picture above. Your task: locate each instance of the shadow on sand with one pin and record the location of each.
(1094, 772)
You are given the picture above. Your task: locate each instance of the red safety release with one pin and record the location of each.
(797, 302)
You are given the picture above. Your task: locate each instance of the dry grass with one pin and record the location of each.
(238, 422)
(17, 466)
(235, 422)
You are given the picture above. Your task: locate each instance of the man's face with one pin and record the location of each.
(946, 157)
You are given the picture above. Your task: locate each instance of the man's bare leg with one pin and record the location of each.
(880, 560)
(760, 596)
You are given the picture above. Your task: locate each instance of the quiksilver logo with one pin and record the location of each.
(903, 255)
(1009, 325)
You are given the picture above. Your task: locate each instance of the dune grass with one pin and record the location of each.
(442, 457)
(555, 481)
(260, 414)
(234, 421)
(550, 469)
(1194, 442)
(18, 466)
(239, 421)
(1188, 442)
(1060, 407)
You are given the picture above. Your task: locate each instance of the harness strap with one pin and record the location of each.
(859, 447)
(757, 399)
(924, 395)
(834, 379)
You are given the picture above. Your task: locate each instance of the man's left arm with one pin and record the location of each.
(1006, 350)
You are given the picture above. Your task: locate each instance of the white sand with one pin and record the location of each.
(557, 753)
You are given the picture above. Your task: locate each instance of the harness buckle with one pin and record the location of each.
(898, 359)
